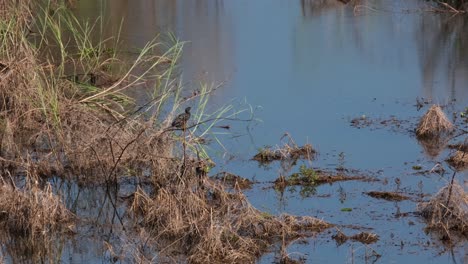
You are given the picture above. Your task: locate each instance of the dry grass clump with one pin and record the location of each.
(32, 212)
(434, 123)
(459, 160)
(365, 237)
(210, 225)
(447, 217)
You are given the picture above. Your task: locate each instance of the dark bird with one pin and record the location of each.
(181, 120)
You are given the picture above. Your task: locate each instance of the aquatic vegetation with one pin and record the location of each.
(312, 177)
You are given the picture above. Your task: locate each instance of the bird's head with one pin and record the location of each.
(187, 110)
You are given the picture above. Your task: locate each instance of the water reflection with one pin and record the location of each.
(443, 52)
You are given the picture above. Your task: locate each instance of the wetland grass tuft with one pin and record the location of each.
(290, 151)
(434, 124)
(459, 160)
(446, 213)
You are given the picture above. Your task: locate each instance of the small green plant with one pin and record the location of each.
(464, 114)
(308, 174)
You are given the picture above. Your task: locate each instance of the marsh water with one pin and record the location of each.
(308, 68)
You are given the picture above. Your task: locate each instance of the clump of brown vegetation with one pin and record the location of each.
(390, 196)
(434, 123)
(32, 211)
(211, 225)
(459, 160)
(289, 151)
(459, 146)
(447, 212)
(32, 220)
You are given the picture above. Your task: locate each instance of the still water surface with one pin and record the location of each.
(308, 68)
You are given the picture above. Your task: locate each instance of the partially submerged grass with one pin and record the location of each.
(289, 151)
(363, 237)
(312, 177)
(446, 213)
(232, 180)
(32, 211)
(434, 123)
(212, 225)
(389, 196)
(459, 160)
(33, 220)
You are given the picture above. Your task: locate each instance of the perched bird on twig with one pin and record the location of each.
(181, 120)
